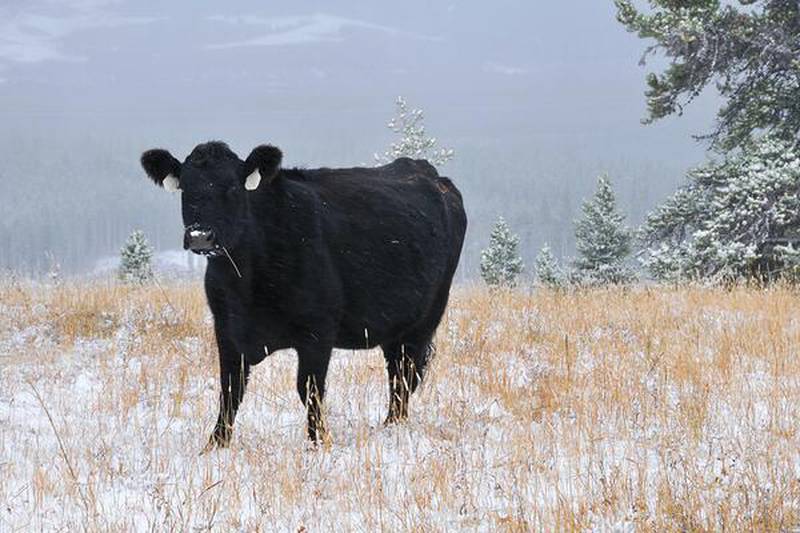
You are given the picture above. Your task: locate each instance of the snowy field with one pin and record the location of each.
(655, 409)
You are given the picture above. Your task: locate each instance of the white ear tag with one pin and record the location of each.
(253, 180)
(171, 183)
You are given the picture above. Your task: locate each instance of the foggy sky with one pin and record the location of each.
(523, 87)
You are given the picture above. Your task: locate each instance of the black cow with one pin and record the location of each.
(316, 259)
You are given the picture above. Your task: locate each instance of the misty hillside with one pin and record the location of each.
(534, 112)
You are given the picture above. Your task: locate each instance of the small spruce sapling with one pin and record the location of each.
(500, 261)
(135, 259)
(548, 272)
(414, 141)
(602, 241)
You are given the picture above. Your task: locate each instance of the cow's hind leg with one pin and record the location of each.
(406, 361)
(312, 368)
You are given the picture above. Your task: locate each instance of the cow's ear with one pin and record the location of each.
(263, 163)
(162, 168)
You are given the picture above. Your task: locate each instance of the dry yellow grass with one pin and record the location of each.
(645, 409)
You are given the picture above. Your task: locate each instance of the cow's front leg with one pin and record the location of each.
(234, 374)
(312, 368)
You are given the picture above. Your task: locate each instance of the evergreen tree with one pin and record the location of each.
(602, 240)
(721, 223)
(747, 52)
(414, 141)
(135, 259)
(547, 270)
(737, 217)
(500, 261)
(54, 275)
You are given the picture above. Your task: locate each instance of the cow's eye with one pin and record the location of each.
(232, 192)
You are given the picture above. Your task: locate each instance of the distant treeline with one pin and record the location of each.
(75, 200)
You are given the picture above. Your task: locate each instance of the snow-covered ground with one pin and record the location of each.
(613, 410)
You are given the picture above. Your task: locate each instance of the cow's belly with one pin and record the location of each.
(374, 323)
(351, 337)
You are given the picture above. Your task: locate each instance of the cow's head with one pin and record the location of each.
(214, 184)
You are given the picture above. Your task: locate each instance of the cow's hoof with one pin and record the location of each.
(394, 419)
(215, 442)
(320, 439)
(209, 447)
(396, 415)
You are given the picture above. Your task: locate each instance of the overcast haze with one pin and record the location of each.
(537, 98)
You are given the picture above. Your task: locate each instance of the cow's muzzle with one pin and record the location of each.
(200, 240)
